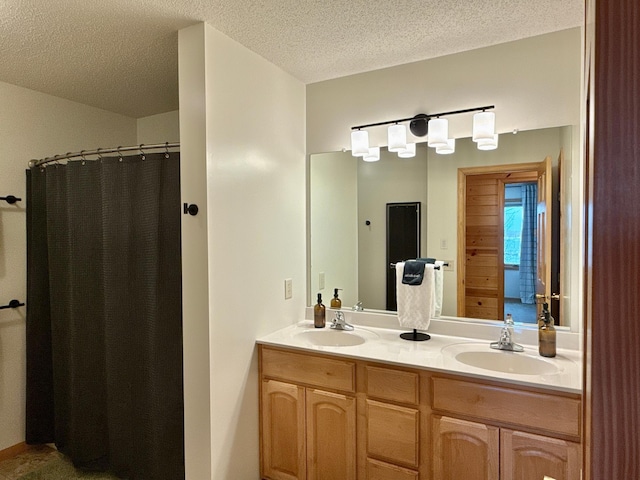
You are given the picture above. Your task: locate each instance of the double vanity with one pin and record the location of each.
(366, 404)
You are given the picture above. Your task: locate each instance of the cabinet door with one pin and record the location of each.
(464, 450)
(530, 457)
(331, 436)
(393, 433)
(283, 431)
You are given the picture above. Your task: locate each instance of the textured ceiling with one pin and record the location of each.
(121, 55)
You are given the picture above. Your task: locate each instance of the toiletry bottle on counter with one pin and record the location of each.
(335, 301)
(546, 333)
(319, 313)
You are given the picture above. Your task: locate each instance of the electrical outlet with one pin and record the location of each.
(321, 281)
(288, 288)
(448, 265)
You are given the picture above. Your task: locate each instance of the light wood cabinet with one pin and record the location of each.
(331, 436)
(307, 433)
(393, 433)
(326, 417)
(471, 450)
(463, 449)
(530, 457)
(283, 431)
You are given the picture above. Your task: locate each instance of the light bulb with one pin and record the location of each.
(397, 138)
(484, 126)
(438, 132)
(408, 152)
(373, 155)
(490, 144)
(359, 143)
(449, 149)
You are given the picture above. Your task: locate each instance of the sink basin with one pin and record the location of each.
(480, 356)
(335, 338)
(507, 362)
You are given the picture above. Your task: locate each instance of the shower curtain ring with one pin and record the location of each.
(98, 153)
(142, 151)
(83, 157)
(166, 148)
(119, 153)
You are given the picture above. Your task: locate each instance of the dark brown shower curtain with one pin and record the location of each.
(104, 314)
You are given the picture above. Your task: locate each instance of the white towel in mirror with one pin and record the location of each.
(439, 285)
(416, 303)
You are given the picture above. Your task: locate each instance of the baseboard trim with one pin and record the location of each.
(11, 452)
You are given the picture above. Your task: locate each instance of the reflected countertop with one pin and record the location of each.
(440, 353)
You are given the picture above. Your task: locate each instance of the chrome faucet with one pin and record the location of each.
(506, 337)
(358, 307)
(339, 323)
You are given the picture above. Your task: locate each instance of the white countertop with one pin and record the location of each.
(437, 354)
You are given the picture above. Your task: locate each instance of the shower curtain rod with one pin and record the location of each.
(100, 151)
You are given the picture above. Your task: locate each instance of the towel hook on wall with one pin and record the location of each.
(10, 199)
(12, 304)
(191, 209)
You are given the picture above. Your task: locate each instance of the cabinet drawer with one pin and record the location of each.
(377, 470)
(308, 369)
(555, 414)
(394, 385)
(393, 433)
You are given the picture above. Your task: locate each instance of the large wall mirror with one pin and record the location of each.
(349, 202)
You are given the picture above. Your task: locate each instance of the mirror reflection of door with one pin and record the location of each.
(403, 241)
(520, 250)
(543, 278)
(497, 259)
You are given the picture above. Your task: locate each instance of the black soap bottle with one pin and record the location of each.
(319, 318)
(546, 333)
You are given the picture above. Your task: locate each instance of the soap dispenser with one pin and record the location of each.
(335, 301)
(319, 318)
(546, 333)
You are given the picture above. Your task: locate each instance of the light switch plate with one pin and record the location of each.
(321, 281)
(288, 288)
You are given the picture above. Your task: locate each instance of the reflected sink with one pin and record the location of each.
(480, 356)
(335, 338)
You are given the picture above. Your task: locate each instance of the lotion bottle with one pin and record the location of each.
(319, 319)
(335, 301)
(546, 334)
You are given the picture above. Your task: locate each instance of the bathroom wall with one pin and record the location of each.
(243, 163)
(34, 125)
(161, 128)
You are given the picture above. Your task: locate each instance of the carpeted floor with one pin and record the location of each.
(44, 462)
(61, 468)
(521, 312)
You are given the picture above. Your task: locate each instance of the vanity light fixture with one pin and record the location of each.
(449, 148)
(489, 144)
(438, 132)
(396, 138)
(422, 125)
(373, 155)
(359, 143)
(408, 152)
(484, 126)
